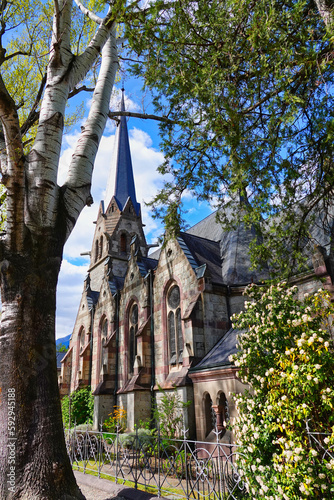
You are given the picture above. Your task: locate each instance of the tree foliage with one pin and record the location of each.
(61, 348)
(78, 408)
(168, 414)
(248, 87)
(286, 357)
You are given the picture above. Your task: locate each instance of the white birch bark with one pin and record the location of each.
(41, 204)
(12, 170)
(39, 215)
(325, 9)
(78, 183)
(64, 72)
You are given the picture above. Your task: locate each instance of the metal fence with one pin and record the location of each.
(170, 468)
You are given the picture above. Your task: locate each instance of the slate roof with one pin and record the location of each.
(60, 356)
(92, 298)
(236, 263)
(218, 356)
(145, 264)
(116, 283)
(225, 253)
(207, 228)
(203, 251)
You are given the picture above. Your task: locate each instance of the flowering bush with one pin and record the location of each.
(116, 420)
(286, 357)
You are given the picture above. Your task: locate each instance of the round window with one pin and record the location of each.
(174, 297)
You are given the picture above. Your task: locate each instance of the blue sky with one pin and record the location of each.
(146, 157)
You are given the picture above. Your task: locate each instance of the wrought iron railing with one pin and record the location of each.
(177, 468)
(318, 441)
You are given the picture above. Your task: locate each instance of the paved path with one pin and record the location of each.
(101, 489)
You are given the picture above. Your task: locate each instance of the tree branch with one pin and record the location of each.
(33, 115)
(15, 54)
(42, 161)
(76, 91)
(325, 8)
(91, 15)
(83, 62)
(13, 174)
(76, 190)
(114, 114)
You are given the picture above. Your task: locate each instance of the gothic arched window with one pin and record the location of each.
(174, 325)
(82, 336)
(133, 329)
(96, 250)
(104, 336)
(100, 247)
(123, 243)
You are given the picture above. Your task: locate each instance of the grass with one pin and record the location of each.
(93, 471)
(178, 492)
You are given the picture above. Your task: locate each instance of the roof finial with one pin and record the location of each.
(122, 100)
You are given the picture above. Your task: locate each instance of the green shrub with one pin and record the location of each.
(79, 407)
(139, 439)
(168, 414)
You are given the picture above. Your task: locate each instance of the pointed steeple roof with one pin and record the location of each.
(122, 165)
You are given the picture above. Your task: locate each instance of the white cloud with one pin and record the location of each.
(70, 287)
(145, 160)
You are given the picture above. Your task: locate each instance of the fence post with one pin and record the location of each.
(159, 485)
(116, 476)
(219, 448)
(85, 450)
(99, 437)
(137, 461)
(185, 432)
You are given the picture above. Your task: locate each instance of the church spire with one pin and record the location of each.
(122, 166)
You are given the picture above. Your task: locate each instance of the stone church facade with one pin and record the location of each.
(151, 323)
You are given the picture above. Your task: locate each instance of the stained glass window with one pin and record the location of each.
(174, 326)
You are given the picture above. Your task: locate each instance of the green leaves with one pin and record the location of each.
(248, 85)
(78, 408)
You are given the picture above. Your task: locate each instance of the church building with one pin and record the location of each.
(160, 322)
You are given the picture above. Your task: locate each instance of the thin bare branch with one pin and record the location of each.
(33, 115)
(114, 114)
(18, 53)
(77, 90)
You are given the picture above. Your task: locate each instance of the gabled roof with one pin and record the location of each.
(201, 251)
(145, 264)
(207, 228)
(121, 161)
(115, 284)
(236, 262)
(203, 254)
(92, 298)
(218, 356)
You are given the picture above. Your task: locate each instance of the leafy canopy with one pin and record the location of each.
(248, 87)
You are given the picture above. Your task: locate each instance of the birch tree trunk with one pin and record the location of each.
(33, 459)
